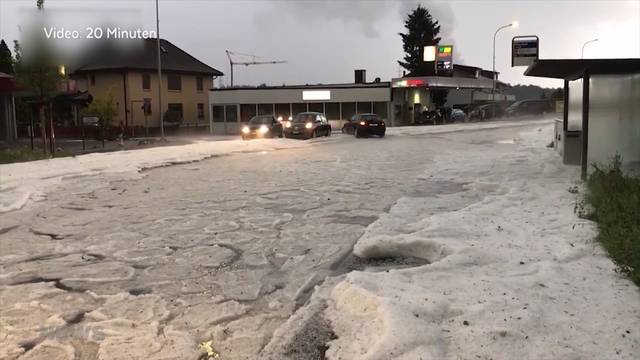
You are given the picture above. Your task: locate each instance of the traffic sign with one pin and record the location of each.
(524, 50)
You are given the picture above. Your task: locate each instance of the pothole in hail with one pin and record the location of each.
(355, 263)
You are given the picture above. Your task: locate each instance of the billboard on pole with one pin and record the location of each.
(444, 60)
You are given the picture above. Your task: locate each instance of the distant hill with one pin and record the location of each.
(533, 92)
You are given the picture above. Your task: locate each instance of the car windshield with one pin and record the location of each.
(305, 117)
(256, 120)
(370, 117)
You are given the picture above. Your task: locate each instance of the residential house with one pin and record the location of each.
(129, 74)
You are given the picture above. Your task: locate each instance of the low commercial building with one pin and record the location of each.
(467, 85)
(231, 107)
(601, 114)
(393, 101)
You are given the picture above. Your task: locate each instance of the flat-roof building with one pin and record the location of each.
(393, 101)
(231, 107)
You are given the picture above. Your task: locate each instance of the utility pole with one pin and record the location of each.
(247, 63)
(159, 74)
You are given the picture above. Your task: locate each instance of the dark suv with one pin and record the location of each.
(307, 125)
(530, 107)
(362, 125)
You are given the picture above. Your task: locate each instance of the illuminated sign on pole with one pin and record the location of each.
(524, 50)
(444, 60)
(429, 54)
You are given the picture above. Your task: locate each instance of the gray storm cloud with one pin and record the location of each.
(367, 15)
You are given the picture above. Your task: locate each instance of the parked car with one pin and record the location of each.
(530, 107)
(431, 117)
(457, 115)
(307, 125)
(363, 125)
(486, 111)
(262, 126)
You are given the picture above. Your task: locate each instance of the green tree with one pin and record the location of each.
(104, 108)
(37, 71)
(422, 30)
(6, 61)
(557, 94)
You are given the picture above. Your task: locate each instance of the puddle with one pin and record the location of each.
(355, 263)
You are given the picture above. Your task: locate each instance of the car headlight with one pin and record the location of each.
(245, 130)
(363, 123)
(290, 118)
(280, 118)
(287, 124)
(308, 125)
(264, 129)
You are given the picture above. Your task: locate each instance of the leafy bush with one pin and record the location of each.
(615, 202)
(104, 108)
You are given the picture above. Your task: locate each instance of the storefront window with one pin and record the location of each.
(298, 108)
(218, 113)
(316, 107)
(348, 110)
(364, 107)
(332, 111)
(380, 109)
(283, 110)
(247, 111)
(265, 109)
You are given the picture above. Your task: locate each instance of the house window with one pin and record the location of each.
(146, 81)
(199, 84)
(174, 113)
(200, 111)
(174, 82)
(93, 79)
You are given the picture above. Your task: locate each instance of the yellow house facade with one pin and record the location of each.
(132, 79)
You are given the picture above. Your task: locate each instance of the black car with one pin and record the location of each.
(363, 125)
(262, 126)
(307, 125)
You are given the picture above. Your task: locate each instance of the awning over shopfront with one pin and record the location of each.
(444, 82)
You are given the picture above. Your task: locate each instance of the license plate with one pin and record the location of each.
(373, 124)
(295, 132)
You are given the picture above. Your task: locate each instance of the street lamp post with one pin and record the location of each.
(159, 74)
(585, 44)
(493, 89)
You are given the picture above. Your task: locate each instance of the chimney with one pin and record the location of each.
(361, 76)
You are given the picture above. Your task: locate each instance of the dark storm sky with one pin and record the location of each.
(324, 40)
